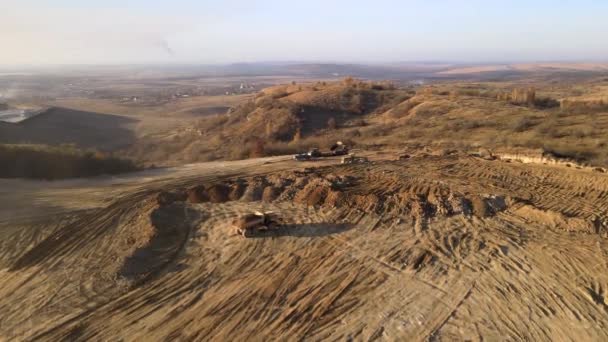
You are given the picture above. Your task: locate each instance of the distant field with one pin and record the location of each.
(155, 119)
(182, 106)
(529, 67)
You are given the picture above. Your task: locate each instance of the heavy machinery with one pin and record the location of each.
(249, 225)
(302, 157)
(352, 159)
(338, 149)
(313, 153)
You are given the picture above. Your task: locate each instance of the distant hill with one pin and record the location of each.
(293, 117)
(66, 126)
(401, 71)
(286, 112)
(284, 119)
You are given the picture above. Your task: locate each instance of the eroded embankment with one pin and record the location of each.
(543, 158)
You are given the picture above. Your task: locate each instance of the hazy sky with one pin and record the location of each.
(226, 31)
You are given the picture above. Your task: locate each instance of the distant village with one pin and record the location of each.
(237, 89)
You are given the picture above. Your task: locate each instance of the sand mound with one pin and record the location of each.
(254, 191)
(169, 197)
(334, 198)
(237, 190)
(271, 193)
(480, 206)
(218, 193)
(159, 245)
(214, 193)
(414, 199)
(197, 194)
(142, 232)
(554, 219)
(313, 193)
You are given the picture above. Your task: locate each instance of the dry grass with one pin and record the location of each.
(585, 105)
(294, 117)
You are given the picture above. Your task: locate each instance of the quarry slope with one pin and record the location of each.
(448, 247)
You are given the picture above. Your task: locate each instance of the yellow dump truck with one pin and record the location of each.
(249, 225)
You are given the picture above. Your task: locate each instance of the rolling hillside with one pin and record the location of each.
(290, 118)
(58, 126)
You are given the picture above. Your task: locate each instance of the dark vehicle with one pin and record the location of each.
(338, 149)
(315, 153)
(302, 157)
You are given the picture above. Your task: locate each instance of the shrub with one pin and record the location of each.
(522, 124)
(386, 85)
(377, 130)
(297, 136)
(279, 94)
(46, 162)
(582, 132)
(523, 96)
(332, 124)
(464, 125)
(546, 102)
(257, 149)
(349, 81)
(576, 153)
(358, 123)
(584, 105)
(549, 129)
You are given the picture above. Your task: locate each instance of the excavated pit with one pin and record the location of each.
(330, 191)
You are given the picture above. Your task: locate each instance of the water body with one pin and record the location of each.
(16, 115)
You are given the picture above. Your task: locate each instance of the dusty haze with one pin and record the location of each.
(184, 31)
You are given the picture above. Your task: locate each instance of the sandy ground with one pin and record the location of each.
(25, 199)
(430, 248)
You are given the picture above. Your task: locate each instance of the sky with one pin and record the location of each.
(34, 32)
